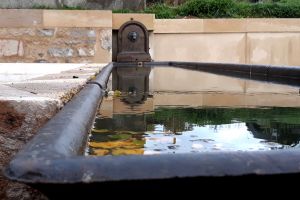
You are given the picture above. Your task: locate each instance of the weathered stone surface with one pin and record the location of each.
(20, 18)
(21, 49)
(27, 3)
(61, 52)
(74, 3)
(16, 32)
(72, 42)
(85, 52)
(77, 18)
(11, 48)
(106, 40)
(46, 32)
(79, 33)
(116, 4)
(92, 4)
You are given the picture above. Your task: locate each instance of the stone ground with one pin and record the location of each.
(29, 97)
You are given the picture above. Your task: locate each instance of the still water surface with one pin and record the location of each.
(168, 130)
(192, 112)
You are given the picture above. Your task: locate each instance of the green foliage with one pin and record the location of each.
(228, 9)
(207, 8)
(162, 11)
(216, 9)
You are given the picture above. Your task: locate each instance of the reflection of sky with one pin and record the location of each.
(231, 137)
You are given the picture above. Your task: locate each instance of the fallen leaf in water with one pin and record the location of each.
(117, 93)
(100, 152)
(117, 152)
(128, 144)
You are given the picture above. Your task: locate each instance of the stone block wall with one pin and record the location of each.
(245, 41)
(248, 41)
(55, 36)
(85, 4)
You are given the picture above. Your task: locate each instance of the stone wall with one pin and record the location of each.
(251, 41)
(55, 36)
(85, 4)
(116, 4)
(248, 41)
(86, 37)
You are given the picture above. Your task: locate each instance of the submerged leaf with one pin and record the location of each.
(115, 144)
(100, 152)
(117, 152)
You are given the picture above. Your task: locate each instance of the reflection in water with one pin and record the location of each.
(193, 111)
(137, 130)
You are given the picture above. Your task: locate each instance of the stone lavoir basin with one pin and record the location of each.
(180, 124)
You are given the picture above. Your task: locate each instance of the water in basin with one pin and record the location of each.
(204, 113)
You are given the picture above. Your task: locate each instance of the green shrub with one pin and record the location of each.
(228, 8)
(207, 8)
(162, 11)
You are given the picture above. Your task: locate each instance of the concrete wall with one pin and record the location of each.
(88, 4)
(252, 41)
(55, 36)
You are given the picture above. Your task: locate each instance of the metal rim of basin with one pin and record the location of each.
(53, 155)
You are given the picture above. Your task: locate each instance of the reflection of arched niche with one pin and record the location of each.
(133, 43)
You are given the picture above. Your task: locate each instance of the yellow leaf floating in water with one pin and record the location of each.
(128, 144)
(117, 93)
(100, 152)
(118, 152)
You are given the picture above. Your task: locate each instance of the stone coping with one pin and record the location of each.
(106, 19)
(55, 18)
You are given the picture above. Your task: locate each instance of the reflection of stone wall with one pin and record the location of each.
(180, 80)
(55, 36)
